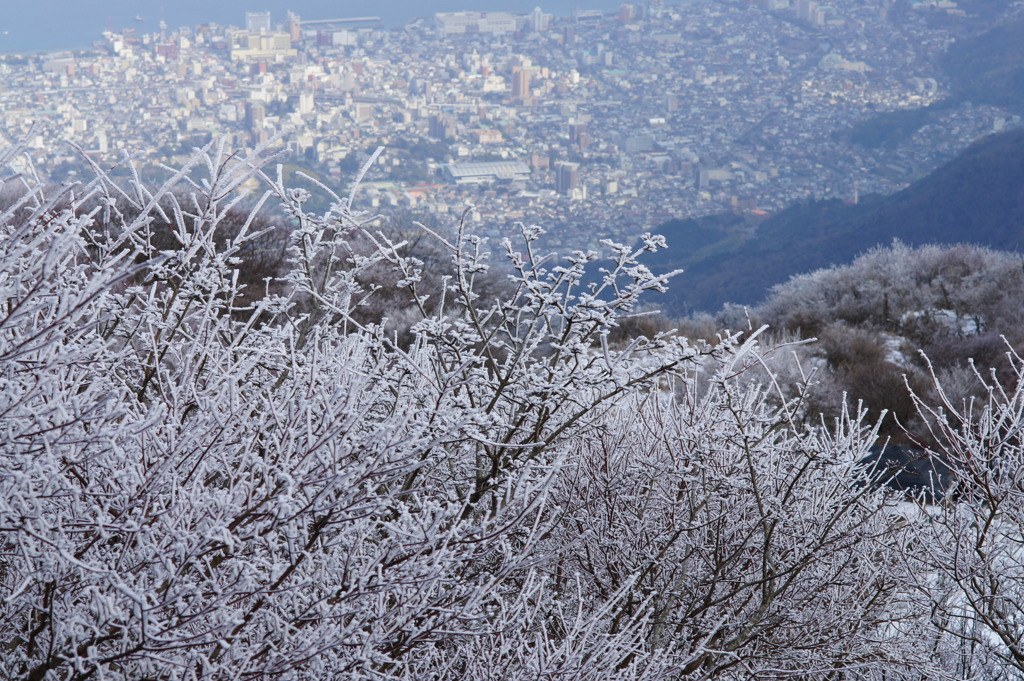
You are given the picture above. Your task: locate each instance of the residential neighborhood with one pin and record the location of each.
(598, 124)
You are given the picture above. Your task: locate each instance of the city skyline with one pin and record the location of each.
(607, 124)
(54, 25)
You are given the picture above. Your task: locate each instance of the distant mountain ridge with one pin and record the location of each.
(976, 198)
(987, 68)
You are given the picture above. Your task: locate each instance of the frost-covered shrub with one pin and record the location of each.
(886, 288)
(972, 550)
(744, 535)
(197, 485)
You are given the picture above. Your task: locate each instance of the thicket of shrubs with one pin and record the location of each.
(198, 482)
(891, 323)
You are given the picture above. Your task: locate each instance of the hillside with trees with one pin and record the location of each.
(985, 65)
(199, 482)
(897, 319)
(977, 198)
(989, 68)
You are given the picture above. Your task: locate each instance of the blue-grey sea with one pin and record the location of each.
(45, 25)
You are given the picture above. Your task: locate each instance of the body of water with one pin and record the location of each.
(46, 25)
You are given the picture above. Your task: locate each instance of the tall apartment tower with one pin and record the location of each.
(442, 127)
(538, 20)
(810, 11)
(294, 27)
(520, 83)
(255, 114)
(579, 134)
(567, 177)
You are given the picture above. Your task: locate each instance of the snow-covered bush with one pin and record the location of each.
(194, 489)
(973, 562)
(747, 537)
(197, 484)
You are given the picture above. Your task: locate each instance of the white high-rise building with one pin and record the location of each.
(538, 20)
(257, 22)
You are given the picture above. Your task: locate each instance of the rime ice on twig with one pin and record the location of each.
(199, 485)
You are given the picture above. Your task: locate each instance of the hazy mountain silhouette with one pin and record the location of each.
(976, 198)
(987, 68)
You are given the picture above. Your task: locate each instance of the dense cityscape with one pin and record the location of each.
(602, 124)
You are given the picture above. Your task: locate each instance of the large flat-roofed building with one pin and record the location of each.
(245, 45)
(493, 23)
(472, 172)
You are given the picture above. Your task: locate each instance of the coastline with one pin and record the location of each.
(80, 27)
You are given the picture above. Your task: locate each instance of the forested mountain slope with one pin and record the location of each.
(989, 68)
(977, 198)
(985, 67)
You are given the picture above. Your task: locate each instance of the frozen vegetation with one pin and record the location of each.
(201, 481)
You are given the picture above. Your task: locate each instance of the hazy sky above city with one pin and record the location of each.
(35, 25)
